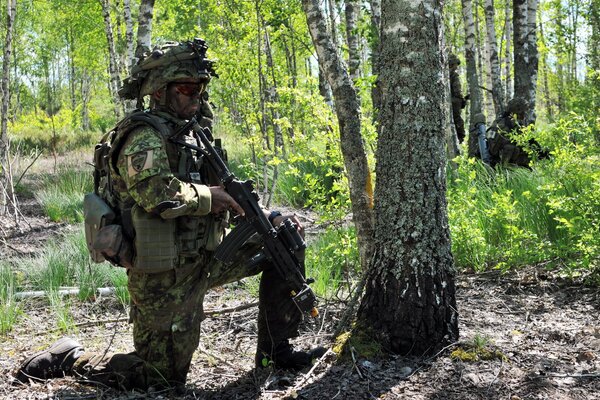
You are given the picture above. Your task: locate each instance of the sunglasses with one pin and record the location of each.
(190, 89)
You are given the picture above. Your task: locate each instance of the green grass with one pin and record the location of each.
(61, 195)
(330, 259)
(10, 310)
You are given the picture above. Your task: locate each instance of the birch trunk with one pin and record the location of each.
(508, 53)
(113, 68)
(144, 32)
(375, 26)
(520, 51)
(128, 34)
(409, 304)
(472, 78)
(7, 193)
(352, 10)
(532, 60)
(348, 113)
(497, 89)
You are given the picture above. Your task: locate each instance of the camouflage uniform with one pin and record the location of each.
(162, 191)
(458, 101)
(167, 296)
(502, 148)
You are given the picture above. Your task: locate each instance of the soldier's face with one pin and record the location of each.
(183, 98)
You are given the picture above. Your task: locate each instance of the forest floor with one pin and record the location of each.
(524, 335)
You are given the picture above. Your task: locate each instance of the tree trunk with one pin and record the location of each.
(409, 304)
(113, 60)
(128, 34)
(7, 193)
(593, 60)
(508, 53)
(375, 26)
(352, 10)
(497, 89)
(348, 113)
(472, 78)
(525, 54)
(144, 32)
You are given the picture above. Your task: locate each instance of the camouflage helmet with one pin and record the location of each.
(453, 60)
(170, 62)
(516, 105)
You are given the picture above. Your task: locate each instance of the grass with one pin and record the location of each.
(10, 310)
(62, 194)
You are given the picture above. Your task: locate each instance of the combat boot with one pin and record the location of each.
(284, 356)
(56, 361)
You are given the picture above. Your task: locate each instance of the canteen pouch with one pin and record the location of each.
(114, 246)
(97, 214)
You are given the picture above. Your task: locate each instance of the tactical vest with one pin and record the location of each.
(158, 244)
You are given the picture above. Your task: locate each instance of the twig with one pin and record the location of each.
(231, 309)
(566, 376)
(354, 362)
(29, 166)
(307, 376)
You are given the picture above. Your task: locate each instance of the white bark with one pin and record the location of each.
(497, 89)
(475, 100)
(128, 33)
(348, 113)
(508, 84)
(113, 63)
(144, 33)
(352, 11)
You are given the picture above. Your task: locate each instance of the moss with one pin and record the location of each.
(474, 354)
(361, 341)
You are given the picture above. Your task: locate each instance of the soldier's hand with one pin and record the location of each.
(222, 201)
(279, 219)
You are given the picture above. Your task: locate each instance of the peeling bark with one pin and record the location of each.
(497, 89)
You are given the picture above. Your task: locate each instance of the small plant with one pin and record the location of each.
(10, 310)
(61, 307)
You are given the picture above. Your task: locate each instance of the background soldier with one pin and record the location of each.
(458, 100)
(174, 216)
(502, 145)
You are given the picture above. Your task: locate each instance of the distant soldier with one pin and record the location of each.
(502, 145)
(458, 100)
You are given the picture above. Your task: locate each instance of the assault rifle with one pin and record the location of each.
(280, 243)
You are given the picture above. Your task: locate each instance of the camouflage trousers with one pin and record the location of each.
(166, 311)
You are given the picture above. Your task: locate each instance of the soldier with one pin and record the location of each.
(174, 216)
(503, 148)
(458, 100)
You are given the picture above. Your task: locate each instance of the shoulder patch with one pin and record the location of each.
(139, 162)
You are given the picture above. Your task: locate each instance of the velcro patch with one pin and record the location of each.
(139, 162)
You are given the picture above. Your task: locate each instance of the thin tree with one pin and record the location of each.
(494, 60)
(472, 77)
(113, 59)
(375, 25)
(409, 304)
(144, 32)
(347, 109)
(6, 184)
(352, 38)
(525, 54)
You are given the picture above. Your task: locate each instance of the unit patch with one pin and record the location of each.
(139, 162)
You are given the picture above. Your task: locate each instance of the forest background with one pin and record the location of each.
(63, 62)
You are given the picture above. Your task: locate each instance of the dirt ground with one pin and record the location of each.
(543, 335)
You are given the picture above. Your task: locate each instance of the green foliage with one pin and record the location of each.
(61, 195)
(331, 258)
(10, 310)
(512, 217)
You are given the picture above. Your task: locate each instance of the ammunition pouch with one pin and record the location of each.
(155, 245)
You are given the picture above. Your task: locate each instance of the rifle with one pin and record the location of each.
(280, 243)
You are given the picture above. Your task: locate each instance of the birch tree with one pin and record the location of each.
(144, 32)
(472, 77)
(113, 59)
(525, 53)
(508, 82)
(494, 60)
(6, 184)
(375, 25)
(352, 38)
(409, 304)
(347, 109)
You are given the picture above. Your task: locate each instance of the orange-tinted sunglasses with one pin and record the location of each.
(190, 89)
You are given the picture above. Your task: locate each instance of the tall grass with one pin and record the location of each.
(62, 194)
(10, 310)
(508, 218)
